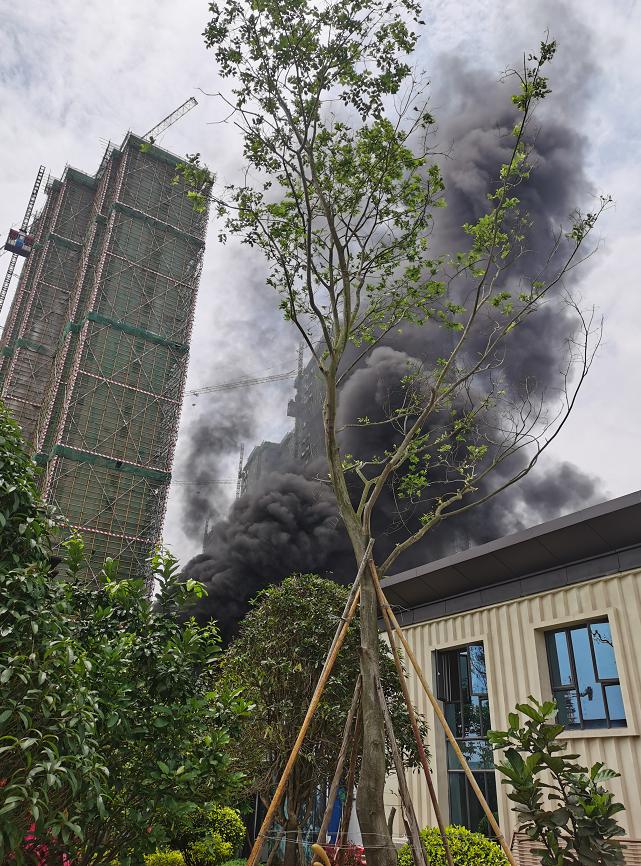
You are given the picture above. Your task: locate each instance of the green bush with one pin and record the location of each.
(210, 836)
(164, 858)
(228, 824)
(235, 862)
(466, 848)
(210, 851)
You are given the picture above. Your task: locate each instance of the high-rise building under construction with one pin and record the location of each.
(94, 353)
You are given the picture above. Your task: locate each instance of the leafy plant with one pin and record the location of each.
(349, 854)
(25, 522)
(164, 858)
(341, 193)
(467, 849)
(561, 805)
(111, 727)
(209, 836)
(275, 661)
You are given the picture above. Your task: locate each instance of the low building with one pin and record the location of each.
(553, 611)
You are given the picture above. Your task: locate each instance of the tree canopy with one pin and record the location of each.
(275, 661)
(111, 727)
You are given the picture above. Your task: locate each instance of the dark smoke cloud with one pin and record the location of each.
(290, 524)
(254, 341)
(475, 132)
(212, 437)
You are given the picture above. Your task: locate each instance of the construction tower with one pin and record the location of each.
(94, 353)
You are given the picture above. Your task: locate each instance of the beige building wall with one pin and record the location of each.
(516, 660)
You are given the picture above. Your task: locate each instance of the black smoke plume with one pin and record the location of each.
(290, 523)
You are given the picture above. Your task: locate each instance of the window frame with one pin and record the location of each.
(447, 694)
(573, 687)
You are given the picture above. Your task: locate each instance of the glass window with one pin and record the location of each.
(584, 676)
(462, 686)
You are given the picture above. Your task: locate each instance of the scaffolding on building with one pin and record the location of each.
(94, 356)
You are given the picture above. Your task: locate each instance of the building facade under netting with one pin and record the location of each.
(94, 353)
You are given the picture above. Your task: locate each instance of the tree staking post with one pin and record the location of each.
(443, 721)
(411, 823)
(382, 601)
(347, 735)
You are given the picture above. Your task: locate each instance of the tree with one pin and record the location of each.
(561, 805)
(275, 661)
(110, 727)
(344, 201)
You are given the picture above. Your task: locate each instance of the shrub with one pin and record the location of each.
(349, 855)
(210, 836)
(467, 849)
(210, 851)
(240, 862)
(164, 858)
(561, 805)
(228, 824)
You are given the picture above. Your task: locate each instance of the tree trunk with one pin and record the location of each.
(370, 808)
(291, 840)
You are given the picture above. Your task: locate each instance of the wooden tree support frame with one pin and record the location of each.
(394, 631)
(348, 615)
(443, 721)
(382, 601)
(414, 833)
(348, 735)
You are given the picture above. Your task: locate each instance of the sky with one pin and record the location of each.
(78, 73)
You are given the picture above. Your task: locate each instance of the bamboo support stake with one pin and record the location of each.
(348, 614)
(333, 788)
(420, 858)
(413, 721)
(448, 731)
(346, 817)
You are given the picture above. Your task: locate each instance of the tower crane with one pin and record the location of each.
(241, 383)
(19, 243)
(153, 134)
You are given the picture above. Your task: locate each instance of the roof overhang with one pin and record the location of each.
(597, 541)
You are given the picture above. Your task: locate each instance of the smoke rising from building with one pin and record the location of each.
(288, 523)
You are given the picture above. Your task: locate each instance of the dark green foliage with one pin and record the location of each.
(560, 804)
(209, 836)
(25, 524)
(466, 848)
(110, 726)
(276, 660)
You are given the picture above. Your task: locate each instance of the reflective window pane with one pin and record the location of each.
(477, 753)
(590, 693)
(477, 822)
(453, 716)
(568, 708)
(583, 658)
(477, 670)
(467, 711)
(604, 651)
(472, 717)
(458, 803)
(615, 704)
(560, 667)
(464, 675)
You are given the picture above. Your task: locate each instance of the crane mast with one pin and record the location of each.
(19, 242)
